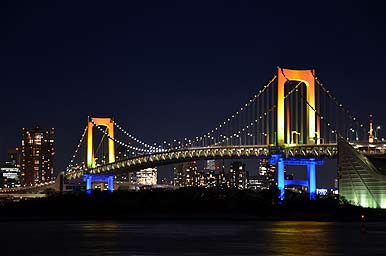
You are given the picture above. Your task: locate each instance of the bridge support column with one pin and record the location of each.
(280, 178)
(88, 178)
(311, 164)
(110, 183)
(311, 171)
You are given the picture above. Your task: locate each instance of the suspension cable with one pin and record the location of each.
(122, 143)
(337, 103)
(100, 143)
(134, 138)
(77, 149)
(237, 113)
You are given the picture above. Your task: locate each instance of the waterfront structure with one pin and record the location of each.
(37, 154)
(362, 178)
(237, 176)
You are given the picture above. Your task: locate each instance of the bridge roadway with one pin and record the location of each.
(215, 152)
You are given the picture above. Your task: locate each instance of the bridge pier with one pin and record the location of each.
(89, 179)
(280, 178)
(311, 174)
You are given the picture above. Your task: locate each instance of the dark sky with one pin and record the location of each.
(166, 69)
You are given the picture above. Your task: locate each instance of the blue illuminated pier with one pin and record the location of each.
(311, 173)
(89, 179)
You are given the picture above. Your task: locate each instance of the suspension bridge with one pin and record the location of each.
(294, 119)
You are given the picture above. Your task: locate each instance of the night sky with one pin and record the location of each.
(167, 69)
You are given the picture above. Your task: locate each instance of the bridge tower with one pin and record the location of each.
(283, 115)
(109, 124)
(284, 132)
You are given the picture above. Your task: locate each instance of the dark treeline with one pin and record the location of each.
(186, 203)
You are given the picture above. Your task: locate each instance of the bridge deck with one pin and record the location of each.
(218, 152)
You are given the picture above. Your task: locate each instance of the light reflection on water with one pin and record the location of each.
(302, 238)
(192, 238)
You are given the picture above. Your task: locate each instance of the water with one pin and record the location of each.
(191, 238)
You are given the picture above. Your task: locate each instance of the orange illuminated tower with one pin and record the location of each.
(106, 122)
(313, 127)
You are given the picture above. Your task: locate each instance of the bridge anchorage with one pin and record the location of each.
(292, 120)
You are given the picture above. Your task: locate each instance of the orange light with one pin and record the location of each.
(307, 77)
(107, 122)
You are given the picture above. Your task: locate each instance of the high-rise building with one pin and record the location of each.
(186, 175)
(222, 178)
(10, 173)
(237, 176)
(211, 175)
(37, 153)
(147, 177)
(14, 157)
(267, 173)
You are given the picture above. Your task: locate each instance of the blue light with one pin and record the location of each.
(311, 173)
(311, 180)
(110, 183)
(88, 178)
(274, 159)
(280, 178)
(296, 182)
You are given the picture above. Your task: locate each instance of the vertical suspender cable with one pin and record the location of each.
(297, 114)
(302, 135)
(273, 116)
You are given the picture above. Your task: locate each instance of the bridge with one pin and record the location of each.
(293, 119)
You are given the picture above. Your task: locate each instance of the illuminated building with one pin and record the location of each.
(186, 175)
(147, 177)
(254, 183)
(212, 176)
(37, 153)
(362, 178)
(14, 157)
(237, 176)
(10, 173)
(267, 174)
